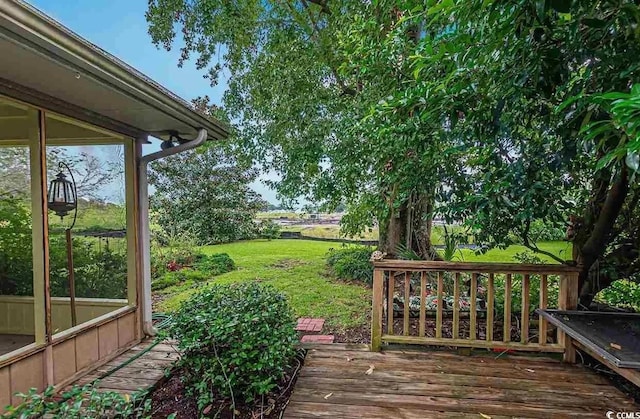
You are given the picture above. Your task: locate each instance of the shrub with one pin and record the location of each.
(165, 281)
(236, 341)
(215, 264)
(172, 259)
(621, 293)
(352, 263)
(267, 229)
(79, 403)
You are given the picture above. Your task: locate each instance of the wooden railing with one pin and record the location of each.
(476, 305)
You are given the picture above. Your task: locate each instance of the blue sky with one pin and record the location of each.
(119, 27)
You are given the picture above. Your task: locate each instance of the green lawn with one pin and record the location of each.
(297, 268)
(560, 249)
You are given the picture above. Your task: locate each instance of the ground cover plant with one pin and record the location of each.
(79, 403)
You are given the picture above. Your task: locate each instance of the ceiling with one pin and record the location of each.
(15, 121)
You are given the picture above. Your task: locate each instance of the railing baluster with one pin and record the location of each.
(456, 306)
(473, 308)
(524, 314)
(507, 310)
(407, 300)
(376, 312)
(390, 292)
(490, 304)
(439, 306)
(423, 303)
(542, 322)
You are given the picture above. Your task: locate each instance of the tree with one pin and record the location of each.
(205, 192)
(90, 171)
(301, 112)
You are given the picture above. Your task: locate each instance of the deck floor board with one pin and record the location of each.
(334, 383)
(139, 374)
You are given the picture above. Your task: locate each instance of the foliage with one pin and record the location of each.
(352, 263)
(215, 264)
(100, 271)
(176, 277)
(236, 341)
(624, 294)
(405, 253)
(268, 229)
(79, 403)
(173, 252)
(185, 264)
(302, 112)
(16, 272)
(205, 191)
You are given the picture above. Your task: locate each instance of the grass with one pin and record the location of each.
(295, 267)
(298, 268)
(333, 232)
(558, 248)
(329, 232)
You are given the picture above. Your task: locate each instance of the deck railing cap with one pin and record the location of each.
(480, 267)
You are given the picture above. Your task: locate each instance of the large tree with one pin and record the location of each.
(205, 193)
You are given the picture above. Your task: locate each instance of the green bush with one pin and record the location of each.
(165, 281)
(79, 403)
(236, 341)
(553, 288)
(621, 293)
(352, 263)
(267, 229)
(171, 259)
(215, 264)
(99, 271)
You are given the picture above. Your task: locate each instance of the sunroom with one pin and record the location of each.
(74, 282)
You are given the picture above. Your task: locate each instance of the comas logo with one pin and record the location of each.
(622, 415)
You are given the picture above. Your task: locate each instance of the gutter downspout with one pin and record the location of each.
(145, 236)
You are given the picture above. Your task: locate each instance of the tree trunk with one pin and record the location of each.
(593, 235)
(410, 227)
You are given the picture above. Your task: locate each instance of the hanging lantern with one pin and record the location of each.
(62, 196)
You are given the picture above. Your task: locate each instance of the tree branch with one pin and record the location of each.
(323, 5)
(600, 235)
(316, 33)
(535, 248)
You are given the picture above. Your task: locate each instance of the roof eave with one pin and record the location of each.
(61, 42)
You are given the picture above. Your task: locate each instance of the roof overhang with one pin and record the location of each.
(50, 66)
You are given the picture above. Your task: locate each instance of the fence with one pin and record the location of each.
(476, 305)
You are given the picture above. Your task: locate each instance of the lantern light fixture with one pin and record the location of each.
(62, 197)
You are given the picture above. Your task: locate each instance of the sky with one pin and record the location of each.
(120, 28)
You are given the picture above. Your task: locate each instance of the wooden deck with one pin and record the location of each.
(128, 376)
(334, 383)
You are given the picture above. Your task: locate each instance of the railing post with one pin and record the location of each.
(376, 309)
(568, 301)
